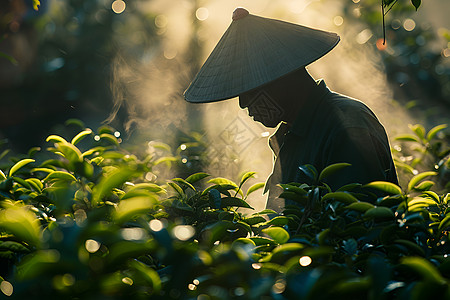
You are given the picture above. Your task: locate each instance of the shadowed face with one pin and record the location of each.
(262, 107)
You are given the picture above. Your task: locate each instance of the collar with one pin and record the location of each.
(301, 124)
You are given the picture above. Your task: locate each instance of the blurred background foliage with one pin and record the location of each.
(58, 61)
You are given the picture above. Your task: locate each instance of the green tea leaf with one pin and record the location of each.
(331, 169)
(385, 186)
(222, 181)
(435, 130)
(254, 188)
(433, 196)
(342, 197)
(22, 182)
(278, 221)
(407, 138)
(149, 275)
(70, 152)
(114, 179)
(423, 268)
(234, 202)
(413, 182)
(132, 207)
(360, 206)
(419, 130)
(183, 183)
(246, 177)
(80, 136)
(416, 3)
(19, 165)
(59, 175)
(177, 189)
(151, 187)
(310, 171)
(2, 175)
(109, 137)
(196, 177)
(22, 223)
(36, 184)
(56, 139)
(278, 234)
(379, 213)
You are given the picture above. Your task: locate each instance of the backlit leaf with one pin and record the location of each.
(342, 197)
(278, 234)
(19, 165)
(132, 207)
(331, 169)
(80, 136)
(360, 206)
(56, 139)
(413, 182)
(423, 268)
(196, 177)
(59, 175)
(255, 187)
(22, 223)
(433, 131)
(246, 177)
(385, 186)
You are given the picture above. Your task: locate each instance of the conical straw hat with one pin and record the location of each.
(254, 51)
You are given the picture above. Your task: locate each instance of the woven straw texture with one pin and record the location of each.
(254, 51)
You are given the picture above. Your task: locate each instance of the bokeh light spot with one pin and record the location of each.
(305, 261)
(338, 20)
(150, 176)
(396, 24)
(161, 21)
(409, 24)
(68, 279)
(183, 232)
(92, 246)
(381, 44)
(117, 134)
(97, 138)
(156, 225)
(118, 6)
(127, 280)
(364, 36)
(170, 53)
(202, 13)
(279, 286)
(256, 266)
(192, 286)
(6, 288)
(446, 52)
(133, 234)
(183, 147)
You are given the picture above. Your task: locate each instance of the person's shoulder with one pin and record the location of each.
(346, 104)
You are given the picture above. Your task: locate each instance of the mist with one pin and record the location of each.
(151, 90)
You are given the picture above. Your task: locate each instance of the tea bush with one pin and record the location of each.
(87, 219)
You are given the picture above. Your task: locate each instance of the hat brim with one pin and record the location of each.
(255, 51)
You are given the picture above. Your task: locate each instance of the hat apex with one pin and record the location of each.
(254, 51)
(239, 13)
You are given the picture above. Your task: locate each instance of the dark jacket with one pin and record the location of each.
(331, 128)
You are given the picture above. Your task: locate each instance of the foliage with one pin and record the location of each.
(420, 150)
(83, 219)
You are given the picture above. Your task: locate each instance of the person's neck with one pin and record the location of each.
(299, 91)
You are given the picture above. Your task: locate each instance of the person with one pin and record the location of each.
(263, 62)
